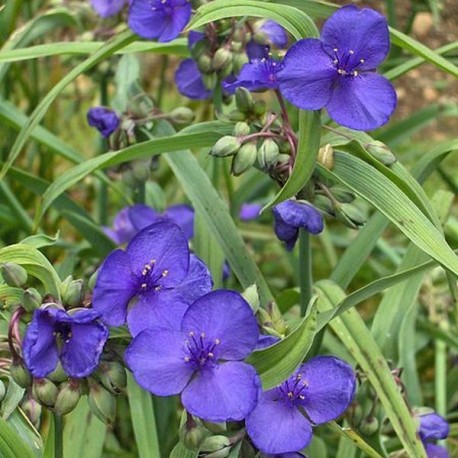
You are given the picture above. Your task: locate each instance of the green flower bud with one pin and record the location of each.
(241, 129)
(32, 409)
(204, 63)
(236, 115)
(283, 158)
(323, 203)
(2, 390)
(210, 80)
(129, 179)
(350, 215)
(45, 392)
(225, 146)
(342, 194)
(244, 159)
(236, 46)
(92, 280)
(102, 403)
(264, 318)
(141, 171)
(369, 426)
(238, 61)
(72, 291)
(200, 48)
(222, 57)
(68, 397)
(193, 435)
(20, 374)
(251, 295)
(216, 447)
(381, 152)
(113, 376)
(182, 115)
(58, 375)
(260, 108)
(326, 156)
(240, 34)
(278, 323)
(13, 274)
(226, 70)
(268, 154)
(31, 299)
(284, 147)
(243, 100)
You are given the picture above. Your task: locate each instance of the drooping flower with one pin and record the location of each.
(257, 75)
(189, 81)
(292, 215)
(338, 71)
(323, 387)
(161, 19)
(267, 33)
(203, 359)
(432, 427)
(105, 120)
(153, 280)
(106, 8)
(76, 339)
(130, 220)
(249, 211)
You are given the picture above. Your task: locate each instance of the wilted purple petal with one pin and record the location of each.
(436, 451)
(106, 121)
(433, 427)
(189, 81)
(183, 216)
(274, 33)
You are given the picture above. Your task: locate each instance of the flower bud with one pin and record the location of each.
(369, 426)
(32, 409)
(204, 63)
(381, 152)
(210, 80)
(260, 108)
(102, 403)
(241, 129)
(350, 215)
(284, 147)
(182, 115)
(244, 159)
(326, 156)
(283, 158)
(113, 376)
(200, 48)
(342, 194)
(236, 46)
(216, 447)
(226, 70)
(278, 323)
(251, 295)
(13, 274)
(68, 397)
(264, 318)
(324, 204)
(45, 392)
(141, 171)
(236, 115)
(31, 299)
(243, 100)
(192, 436)
(225, 146)
(268, 154)
(221, 58)
(58, 375)
(20, 374)
(72, 291)
(238, 61)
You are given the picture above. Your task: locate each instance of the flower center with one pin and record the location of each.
(149, 278)
(62, 332)
(346, 62)
(200, 351)
(292, 391)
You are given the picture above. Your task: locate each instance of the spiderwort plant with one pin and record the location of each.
(202, 360)
(153, 280)
(105, 120)
(433, 427)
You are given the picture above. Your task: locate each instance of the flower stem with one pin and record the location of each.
(58, 436)
(305, 270)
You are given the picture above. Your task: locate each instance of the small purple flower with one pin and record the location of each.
(433, 427)
(273, 33)
(257, 75)
(323, 387)
(161, 19)
(106, 8)
(189, 81)
(76, 339)
(106, 121)
(338, 71)
(436, 451)
(249, 211)
(202, 360)
(292, 215)
(153, 280)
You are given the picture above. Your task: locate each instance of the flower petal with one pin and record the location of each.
(307, 75)
(81, 354)
(177, 19)
(275, 33)
(145, 21)
(164, 243)
(275, 427)
(183, 216)
(226, 392)
(331, 385)
(225, 316)
(142, 216)
(189, 81)
(436, 451)
(433, 427)
(106, 8)
(156, 358)
(114, 288)
(39, 347)
(364, 31)
(362, 102)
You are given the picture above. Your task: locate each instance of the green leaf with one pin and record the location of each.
(27, 432)
(11, 444)
(298, 23)
(180, 451)
(277, 362)
(353, 333)
(377, 189)
(314, 8)
(307, 152)
(13, 397)
(143, 420)
(40, 240)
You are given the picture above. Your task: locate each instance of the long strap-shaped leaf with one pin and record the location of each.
(352, 331)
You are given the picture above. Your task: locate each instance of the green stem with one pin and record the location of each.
(305, 270)
(102, 195)
(58, 436)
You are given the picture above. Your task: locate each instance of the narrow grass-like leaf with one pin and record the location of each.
(11, 444)
(180, 451)
(314, 8)
(277, 362)
(40, 240)
(143, 420)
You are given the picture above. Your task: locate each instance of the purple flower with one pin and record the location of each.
(256, 75)
(202, 360)
(338, 71)
(106, 121)
(153, 280)
(433, 427)
(131, 220)
(436, 451)
(76, 339)
(194, 36)
(161, 19)
(272, 33)
(292, 215)
(189, 81)
(249, 211)
(323, 387)
(106, 8)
